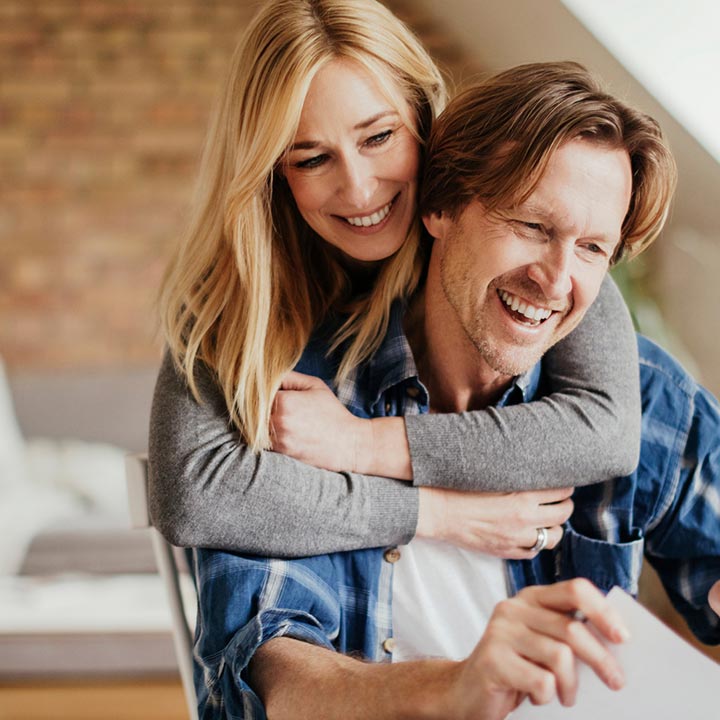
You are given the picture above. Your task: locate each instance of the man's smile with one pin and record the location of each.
(524, 311)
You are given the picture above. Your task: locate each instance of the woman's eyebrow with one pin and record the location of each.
(379, 116)
(304, 145)
(312, 144)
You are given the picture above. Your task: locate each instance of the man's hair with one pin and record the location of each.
(494, 140)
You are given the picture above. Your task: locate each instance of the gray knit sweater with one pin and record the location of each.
(207, 489)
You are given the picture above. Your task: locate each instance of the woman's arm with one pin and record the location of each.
(586, 430)
(207, 489)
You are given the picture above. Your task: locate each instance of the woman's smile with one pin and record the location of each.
(353, 168)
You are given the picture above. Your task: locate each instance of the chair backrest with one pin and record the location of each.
(136, 467)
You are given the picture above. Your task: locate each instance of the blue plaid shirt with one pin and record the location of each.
(668, 511)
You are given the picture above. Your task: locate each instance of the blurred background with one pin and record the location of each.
(103, 109)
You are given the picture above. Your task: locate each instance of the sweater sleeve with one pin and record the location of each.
(205, 488)
(586, 430)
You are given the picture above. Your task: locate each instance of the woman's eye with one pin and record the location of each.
(312, 162)
(380, 138)
(533, 226)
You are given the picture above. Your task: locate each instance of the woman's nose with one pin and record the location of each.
(358, 183)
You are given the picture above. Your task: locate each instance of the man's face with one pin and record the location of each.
(519, 280)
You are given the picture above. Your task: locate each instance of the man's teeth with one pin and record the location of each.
(531, 312)
(369, 220)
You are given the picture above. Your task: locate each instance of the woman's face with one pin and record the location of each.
(353, 165)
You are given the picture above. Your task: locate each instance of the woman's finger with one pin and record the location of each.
(530, 538)
(298, 381)
(550, 495)
(555, 514)
(555, 534)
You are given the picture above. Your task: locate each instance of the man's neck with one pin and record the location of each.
(455, 374)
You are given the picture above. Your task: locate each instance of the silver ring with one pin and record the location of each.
(541, 542)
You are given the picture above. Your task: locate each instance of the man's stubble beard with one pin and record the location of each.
(510, 362)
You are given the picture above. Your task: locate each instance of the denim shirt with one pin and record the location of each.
(668, 510)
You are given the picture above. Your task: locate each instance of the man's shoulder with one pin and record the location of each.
(658, 365)
(670, 394)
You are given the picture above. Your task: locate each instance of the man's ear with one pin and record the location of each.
(437, 224)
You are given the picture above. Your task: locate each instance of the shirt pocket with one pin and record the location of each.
(604, 563)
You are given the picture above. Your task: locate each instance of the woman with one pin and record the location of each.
(302, 237)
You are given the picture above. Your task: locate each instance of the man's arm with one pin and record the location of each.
(530, 648)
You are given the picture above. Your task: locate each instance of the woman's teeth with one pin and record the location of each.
(370, 220)
(535, 314)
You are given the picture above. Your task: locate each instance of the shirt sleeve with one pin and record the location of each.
(206, 489)
(243, 602)
(587, 429)
(683, 540)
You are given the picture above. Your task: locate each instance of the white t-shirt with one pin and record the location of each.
(442, 599)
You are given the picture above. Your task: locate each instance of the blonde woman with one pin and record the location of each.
(302, 245)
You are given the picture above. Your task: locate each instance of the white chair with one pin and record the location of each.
(136, 472)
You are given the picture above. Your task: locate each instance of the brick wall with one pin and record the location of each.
(103, 108)
(102, 111)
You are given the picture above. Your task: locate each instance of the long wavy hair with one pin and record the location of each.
(250, 279)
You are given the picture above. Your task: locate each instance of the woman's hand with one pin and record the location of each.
(310, 424)
(501, 524)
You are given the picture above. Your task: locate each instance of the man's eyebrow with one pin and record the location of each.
(363, 125)
(546, 214)
(530, 207)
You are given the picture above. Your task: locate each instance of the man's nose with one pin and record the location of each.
(358, 182)
(552, 271)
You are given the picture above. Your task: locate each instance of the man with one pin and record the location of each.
(535, 182)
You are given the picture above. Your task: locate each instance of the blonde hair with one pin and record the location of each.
(250, 279)
(495, 139)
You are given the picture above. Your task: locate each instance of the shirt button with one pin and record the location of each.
(392, 555)
(388, 408)
(412, 391)
(389, 645)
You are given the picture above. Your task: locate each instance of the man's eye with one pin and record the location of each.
(380, 138)
(312, 162)
(529, 228)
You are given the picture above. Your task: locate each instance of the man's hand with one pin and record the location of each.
(530, 648)
(501, 524)
(714, 597)
(310, 424)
